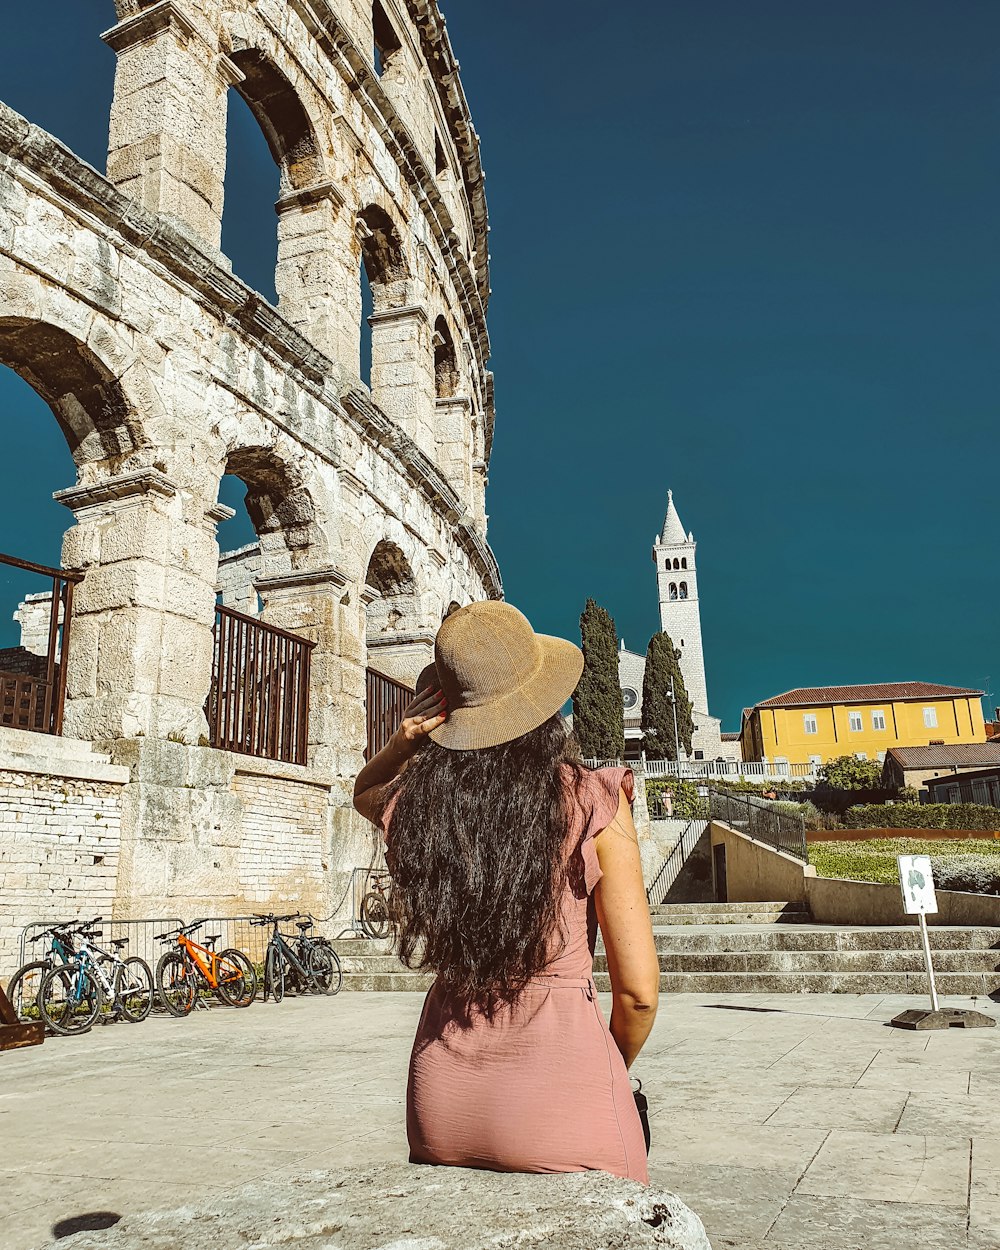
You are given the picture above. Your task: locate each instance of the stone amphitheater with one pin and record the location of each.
(166, 372)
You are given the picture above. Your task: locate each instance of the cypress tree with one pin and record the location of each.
(598, 713)
(662, 663)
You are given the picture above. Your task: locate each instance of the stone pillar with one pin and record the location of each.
(140, 647)
(317, 272)
(403, 371)
(454, 446)
(401, 655)
(316, 604)
(167, 138)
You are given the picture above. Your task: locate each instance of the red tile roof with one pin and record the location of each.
(969, 754)
(884, 692)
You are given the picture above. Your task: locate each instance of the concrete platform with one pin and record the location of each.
(787, 1123)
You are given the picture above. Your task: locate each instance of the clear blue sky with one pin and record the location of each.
(748, 251)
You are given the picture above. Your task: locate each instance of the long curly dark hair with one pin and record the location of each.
(477, 852)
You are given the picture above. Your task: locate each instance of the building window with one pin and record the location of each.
(815, 760)
(930, 718)
(387, 42)
(630, 697)
(880, 756)
(699, 755)
(673, 590)
(684, 562)
(684, 590)
(809, 723)
(860, 755)
(878, 719)
(855, 722)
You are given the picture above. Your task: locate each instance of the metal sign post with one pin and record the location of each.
(917, 884)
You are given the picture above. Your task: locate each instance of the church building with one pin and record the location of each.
(680, 617)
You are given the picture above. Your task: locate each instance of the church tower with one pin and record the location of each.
(680, 614)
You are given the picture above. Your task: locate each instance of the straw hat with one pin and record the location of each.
(500, 678)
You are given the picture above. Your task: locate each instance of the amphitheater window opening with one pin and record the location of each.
(672, 592)
(385, 40)
(441, 168)
(392, 615)
(249, 234)
(445, 361)
(683, 590)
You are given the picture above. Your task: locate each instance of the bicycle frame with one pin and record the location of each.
(279, 941)
(207, 970)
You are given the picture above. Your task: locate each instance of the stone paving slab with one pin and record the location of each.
(787, 1122)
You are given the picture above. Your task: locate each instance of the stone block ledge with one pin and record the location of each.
(49, 761)
(392, 1205)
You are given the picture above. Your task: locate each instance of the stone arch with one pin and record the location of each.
(446, 375)
(383, 257)
(281, 507)
(398, 644)
(85, 395)
(672, 592)
(683, 590)
(282, 117)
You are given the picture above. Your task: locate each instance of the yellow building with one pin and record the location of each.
(818, 723)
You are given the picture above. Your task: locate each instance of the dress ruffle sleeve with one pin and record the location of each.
(605, 786)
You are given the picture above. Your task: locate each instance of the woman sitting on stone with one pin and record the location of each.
(506, 852)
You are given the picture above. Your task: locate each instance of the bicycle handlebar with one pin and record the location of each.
(66, 928)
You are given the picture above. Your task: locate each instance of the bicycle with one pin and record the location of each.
(315, 970)
(72, 994)
(128, 982)
(307, 942)
(376, 908)
(182, 972)
(25, 985)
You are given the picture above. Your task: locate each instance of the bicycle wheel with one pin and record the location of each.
(23, 989)
(237, 978)
(134, 988)
(274, 975)
(70, 999)
(375, 919)
(175, 984)
(324, 966)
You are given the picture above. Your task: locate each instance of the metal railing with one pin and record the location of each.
(670, 870)
(140, 933)
(760, 819)
(385, 699)
(716, 770)
(33, 686)
(238, 932)
(258, 703)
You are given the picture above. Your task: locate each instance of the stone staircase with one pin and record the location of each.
(760, 948)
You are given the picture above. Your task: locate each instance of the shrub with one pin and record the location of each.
(970, 864)
(922, 816)
(847, 772)
(687, 804)
(977, 874)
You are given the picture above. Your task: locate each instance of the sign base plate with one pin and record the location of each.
(943, 1018)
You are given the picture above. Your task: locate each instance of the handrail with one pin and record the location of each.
(760, 820)
(265, 626)
(69, 575)
(670, 871)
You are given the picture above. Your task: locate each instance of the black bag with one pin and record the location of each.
(642, 1106)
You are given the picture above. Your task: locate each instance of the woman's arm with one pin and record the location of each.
(623, 914)
(426, 710)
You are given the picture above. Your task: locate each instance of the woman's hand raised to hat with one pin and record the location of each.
(425, 711)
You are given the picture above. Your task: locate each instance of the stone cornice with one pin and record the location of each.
(148, 24)
(308, 196)
(406, 312)
(303, 579)
(115, 489)
(400, 639)
(90, 195)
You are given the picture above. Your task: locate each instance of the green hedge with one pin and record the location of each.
(922, 816)
(687, 803)
(963, 864)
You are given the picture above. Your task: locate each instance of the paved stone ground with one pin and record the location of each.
(789, 1123)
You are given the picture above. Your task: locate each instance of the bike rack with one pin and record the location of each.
(359, 888)
(14, 1034)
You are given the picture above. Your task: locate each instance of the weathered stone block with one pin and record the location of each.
(395, 1204)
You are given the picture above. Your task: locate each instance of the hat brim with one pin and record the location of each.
(522, 710)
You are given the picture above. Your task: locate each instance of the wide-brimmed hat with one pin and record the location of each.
(500, 678)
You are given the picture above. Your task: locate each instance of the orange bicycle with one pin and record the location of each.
(182, 972)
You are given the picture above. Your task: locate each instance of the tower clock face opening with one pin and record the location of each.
(629, 697)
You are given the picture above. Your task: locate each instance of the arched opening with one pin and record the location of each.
(383, 276)
(45, 372)
(445, 361)
(684, 562)
(672, 593)
(397, 645)
(267, 126)
(684, 590)
(452, 607)
(382, 258)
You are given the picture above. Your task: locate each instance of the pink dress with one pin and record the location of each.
(541, 1086)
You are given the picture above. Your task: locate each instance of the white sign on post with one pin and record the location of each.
(919, 899)
(917, 884)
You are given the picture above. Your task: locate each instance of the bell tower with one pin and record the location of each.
(680, 614)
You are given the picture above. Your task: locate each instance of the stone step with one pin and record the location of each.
(803, 938)
(747, 916)
(707, 909)
(964, 984)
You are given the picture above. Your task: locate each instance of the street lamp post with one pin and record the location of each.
(673, 706)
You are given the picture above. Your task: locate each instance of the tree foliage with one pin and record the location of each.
(847, 772)
(662, 663)
(598, 713)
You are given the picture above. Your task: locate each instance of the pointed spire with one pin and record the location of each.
(673, 533)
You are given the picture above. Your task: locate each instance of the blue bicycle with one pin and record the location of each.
(25, 985)
(71, 996)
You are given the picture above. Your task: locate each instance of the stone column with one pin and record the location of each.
(316, 604)
(403, 371)
(140, 646)
(453, 441)
(317, 272)
(167, 138)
